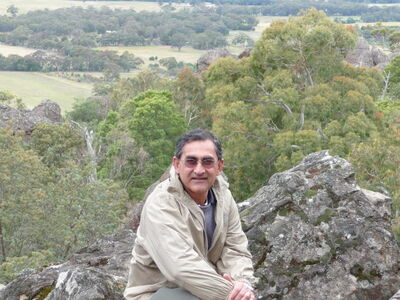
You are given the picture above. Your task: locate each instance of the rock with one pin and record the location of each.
(48, 109)
(396, 296)
(245, 53)
(365, 55)
(96, 272)
(85, 284)
(25, 120)
(315, 234)
(211, 56)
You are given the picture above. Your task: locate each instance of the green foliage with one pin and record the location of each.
(292, 96)
(75, 27)
(247, 159)
(89, 111)
(188, 94)
(56, 144)
(140, 140)
(109, 123)
(376, 162)
(11, 100)
(81, 210)
(393, 71)
(128, 88)
(12, 267)
(57, 210)
(242, 39)
(311, 47)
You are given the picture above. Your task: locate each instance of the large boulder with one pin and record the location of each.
(26, 120)
(315, 234)
(365, 55)
(211, 56)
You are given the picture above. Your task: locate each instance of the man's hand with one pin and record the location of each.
(241, 290)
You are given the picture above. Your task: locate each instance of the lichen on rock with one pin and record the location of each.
(315, 234)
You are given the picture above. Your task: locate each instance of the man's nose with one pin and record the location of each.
(199, 169)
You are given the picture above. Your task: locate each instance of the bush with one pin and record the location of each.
(15, 265)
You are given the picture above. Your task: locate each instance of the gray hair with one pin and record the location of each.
(197, 135)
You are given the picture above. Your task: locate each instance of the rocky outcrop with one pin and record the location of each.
(211, 56)
(365, 55)
(314, 234)
(26, 120)
(95, 272)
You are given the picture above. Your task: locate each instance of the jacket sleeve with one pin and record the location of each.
(235, 258)
(166, 238)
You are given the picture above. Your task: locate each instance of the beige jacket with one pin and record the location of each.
(171, 245)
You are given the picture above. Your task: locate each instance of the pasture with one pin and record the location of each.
(187, 54)
(7, 50)
(263, 23)
(30, 5)
(33, 88)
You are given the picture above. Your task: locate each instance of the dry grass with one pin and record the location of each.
(29, 5)
(374, 23)
(263, 23)
(187, 54)
(34, 87)
(383, 4)
(7, 50)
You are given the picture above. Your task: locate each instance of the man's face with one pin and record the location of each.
(198, 179)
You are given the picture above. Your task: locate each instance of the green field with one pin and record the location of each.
(34, 87)
(29, 5)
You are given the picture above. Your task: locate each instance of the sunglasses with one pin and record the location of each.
(207, 162)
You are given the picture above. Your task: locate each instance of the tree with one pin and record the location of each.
(312, 47)
(178, 40)
(12, 10)
(140, 140)
(33, 199)
(90, 110)
(292, 96)
(56, 144)
(188, 94)
(242, 39)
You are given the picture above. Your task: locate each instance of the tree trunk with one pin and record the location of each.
(2, 247)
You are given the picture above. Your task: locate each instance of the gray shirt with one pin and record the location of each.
(208, 211)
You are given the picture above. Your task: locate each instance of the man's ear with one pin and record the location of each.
(176, 162)
(220, 166)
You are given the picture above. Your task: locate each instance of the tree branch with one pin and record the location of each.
(279, 103)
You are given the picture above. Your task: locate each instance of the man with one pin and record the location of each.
(190, 244)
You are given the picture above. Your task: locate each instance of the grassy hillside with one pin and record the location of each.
(33, 88)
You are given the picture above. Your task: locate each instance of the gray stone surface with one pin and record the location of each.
(26, 120)
(364, 55)
(315, 234)
(211, 56)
